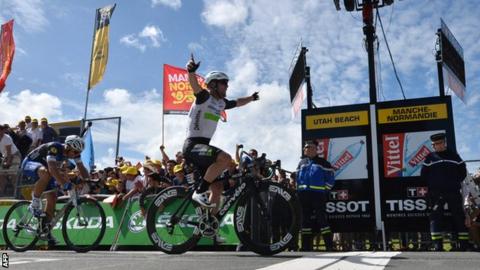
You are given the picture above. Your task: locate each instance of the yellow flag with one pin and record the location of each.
(99, 58)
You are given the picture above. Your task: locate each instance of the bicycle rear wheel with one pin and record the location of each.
(83, 226)
(20, 227)
(267, 219)
(172, 221)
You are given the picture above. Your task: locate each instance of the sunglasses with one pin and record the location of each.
(225, 82)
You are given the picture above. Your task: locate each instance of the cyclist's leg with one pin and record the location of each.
(221, 163)
(42, 182)
(215, 195)
(213, 161)
(50, 207)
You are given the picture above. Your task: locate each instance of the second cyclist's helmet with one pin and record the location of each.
(215, 75)
(75, 142)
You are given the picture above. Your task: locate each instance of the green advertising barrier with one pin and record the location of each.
(133, 230)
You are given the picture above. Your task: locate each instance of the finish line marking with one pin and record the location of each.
(362, 260)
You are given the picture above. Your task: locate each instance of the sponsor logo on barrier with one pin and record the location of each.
(334, 120)
(393, 154)
(136, 223)
(415, 192)
(339, 195)
(347, 207)
(406, 205)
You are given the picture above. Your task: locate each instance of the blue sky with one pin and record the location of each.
(252, 40)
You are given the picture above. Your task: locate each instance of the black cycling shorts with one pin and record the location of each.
(198, 152)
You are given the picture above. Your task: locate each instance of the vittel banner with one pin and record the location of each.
(404, 153)
(348, 155)
(403, 133)
(343, 136)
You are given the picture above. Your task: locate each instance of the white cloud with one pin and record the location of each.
(174, 4)
(153, 33)
(150, 36)
(37, 105)
(132, 41)
(223, 13)
(29, 14)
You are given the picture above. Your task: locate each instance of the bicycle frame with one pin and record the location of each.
(73, 199)
(248, 183)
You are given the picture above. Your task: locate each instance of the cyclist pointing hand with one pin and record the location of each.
(204, 115)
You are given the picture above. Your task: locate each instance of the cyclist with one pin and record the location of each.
(41, 166)
(204, 115)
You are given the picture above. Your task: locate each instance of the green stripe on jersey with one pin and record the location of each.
(211, 116)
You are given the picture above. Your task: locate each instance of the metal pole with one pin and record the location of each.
(376, 169)
(438, 57)
(118, 137)
(86, 106)
(309, 88)
(163, 127)
(369, 31)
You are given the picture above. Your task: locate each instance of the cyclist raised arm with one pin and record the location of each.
(204, 115)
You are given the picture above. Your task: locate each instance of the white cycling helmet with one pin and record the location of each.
(215, 75)
(75, 142)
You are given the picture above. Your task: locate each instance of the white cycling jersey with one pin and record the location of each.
(205, 114)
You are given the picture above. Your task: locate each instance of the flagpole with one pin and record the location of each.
(90, 68)
(163, 125)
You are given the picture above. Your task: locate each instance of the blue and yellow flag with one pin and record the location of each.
(99, 58)
(88, 153)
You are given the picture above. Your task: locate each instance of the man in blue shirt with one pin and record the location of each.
(315, 178)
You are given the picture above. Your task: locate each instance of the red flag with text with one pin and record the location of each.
(7, 50)
(177, 92)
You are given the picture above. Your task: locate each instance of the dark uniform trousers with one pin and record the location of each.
(437, 203)
(314, 219)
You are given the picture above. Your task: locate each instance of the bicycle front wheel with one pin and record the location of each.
(172, 221)
(83, 226)
(267, 218)
(20, 227)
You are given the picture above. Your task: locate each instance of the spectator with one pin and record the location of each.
(111, 186)
(11, 159)
(156, 183)
(170, 165)
(246, 159)
(158, 166)
(9, 150)
(21, 128)
(23, 139)
(133, 183)
(36, 134)
(179, 179)
(28, 122)
(48, 133)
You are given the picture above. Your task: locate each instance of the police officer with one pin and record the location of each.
(444, 171)
(315, 178)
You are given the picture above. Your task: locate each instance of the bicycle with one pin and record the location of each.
(83, 224)
(175, 223)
